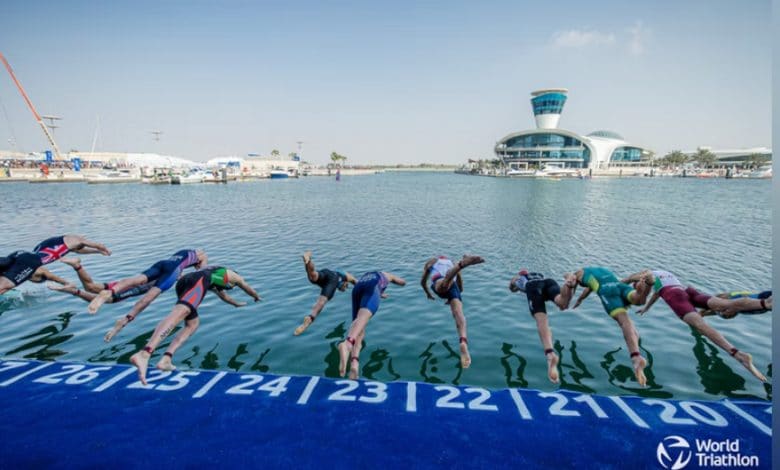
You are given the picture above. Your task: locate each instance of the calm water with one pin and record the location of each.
(714, 234)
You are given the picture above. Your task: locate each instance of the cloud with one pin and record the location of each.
(637, 36)
(581, 38)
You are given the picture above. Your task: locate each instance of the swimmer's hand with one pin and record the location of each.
(258, 299)
(239, 304)
(576, 304)
(641, 311)
(430, 297)
(383, 295)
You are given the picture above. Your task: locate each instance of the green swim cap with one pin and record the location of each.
(219, 277)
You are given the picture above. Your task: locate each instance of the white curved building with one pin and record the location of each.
(548, 144)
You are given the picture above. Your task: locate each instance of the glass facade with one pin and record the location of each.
(546, 146)
(626, 154)
(548, 103)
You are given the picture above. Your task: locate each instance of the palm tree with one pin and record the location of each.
(274, 153)
(674, 158)
(705, 158)
(757, 159)
(336, 158)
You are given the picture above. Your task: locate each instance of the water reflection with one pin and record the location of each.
(120, 353)
(441, 364)
(45, 340)
(576, 370)
(514, 374)
(233, 363)
(210, 359)
(715, 374)
(380, 361)
(258, 365)
(621, 374)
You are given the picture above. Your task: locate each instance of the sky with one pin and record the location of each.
(381, 82)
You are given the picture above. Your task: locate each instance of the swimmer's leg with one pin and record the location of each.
(354, 359)
(456, 307)
(71, 289)
(163, 329)
(449, 278)
(545, 335)
(311, 270)
(86, 280)
(166, 361)
(696, 321)
(357, 329)
(121, 286)
(632, 341)
(79, 244)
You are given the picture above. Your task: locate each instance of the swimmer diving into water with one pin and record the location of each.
(329, 281)
(447, 283)
(684, 302)
(190, 289)
(539, 289)
(366, 295)
(615, 297)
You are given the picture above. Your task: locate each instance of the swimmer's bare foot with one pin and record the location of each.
(165, 363)
(141, 361)
(343, 356)
(117, 327)
(98, 301)
(465, 357)
(306, 257)
(552, 367)
(74, 263)
(747, 361)
(468, 260)
(354, 368)
(307, 320)
(103, 250)
(639, 369)
(69, 288)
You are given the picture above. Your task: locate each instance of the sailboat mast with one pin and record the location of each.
(32, 108)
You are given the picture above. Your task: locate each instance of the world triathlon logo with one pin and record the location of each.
(673, 453)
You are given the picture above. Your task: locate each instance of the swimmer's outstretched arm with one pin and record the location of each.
(649, 304)
(632, 278)
(585, 294)
(42, 274)
(426, 273)
(228, 299)
(397, 280)
(235, 279)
